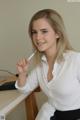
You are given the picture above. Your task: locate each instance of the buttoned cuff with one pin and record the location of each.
(23, 89)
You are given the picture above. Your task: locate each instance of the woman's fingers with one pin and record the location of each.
(22, 65)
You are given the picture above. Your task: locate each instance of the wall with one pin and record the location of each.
(14, 19)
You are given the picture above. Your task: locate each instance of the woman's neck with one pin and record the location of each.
(51, 53)
(51, 56)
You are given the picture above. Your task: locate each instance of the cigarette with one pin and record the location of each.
(30, 57)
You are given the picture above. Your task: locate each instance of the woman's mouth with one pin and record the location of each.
(40, 43)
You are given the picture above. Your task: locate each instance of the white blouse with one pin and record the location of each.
(63, 91)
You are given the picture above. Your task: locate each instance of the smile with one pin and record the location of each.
(40, 43)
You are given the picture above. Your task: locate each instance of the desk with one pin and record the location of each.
(9, 99)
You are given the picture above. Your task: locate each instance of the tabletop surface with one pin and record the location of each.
(9, 100)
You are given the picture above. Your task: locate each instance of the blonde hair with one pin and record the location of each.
(56, 22)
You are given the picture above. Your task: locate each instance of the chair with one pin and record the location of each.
(31, 105)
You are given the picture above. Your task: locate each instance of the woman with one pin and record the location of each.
(57, 69)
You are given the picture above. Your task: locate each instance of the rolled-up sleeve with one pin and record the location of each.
(31, 83)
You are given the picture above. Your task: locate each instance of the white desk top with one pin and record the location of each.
(9, 99)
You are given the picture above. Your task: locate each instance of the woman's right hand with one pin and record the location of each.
(22, 68)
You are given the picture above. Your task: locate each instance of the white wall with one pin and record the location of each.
(14, 19)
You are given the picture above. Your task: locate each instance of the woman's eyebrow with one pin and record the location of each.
(43, 29)
(40, 29)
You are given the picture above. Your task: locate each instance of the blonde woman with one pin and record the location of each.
(57, 69)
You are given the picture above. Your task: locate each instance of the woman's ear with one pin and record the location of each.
(57, 36)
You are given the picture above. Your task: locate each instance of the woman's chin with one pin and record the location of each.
(41, 50)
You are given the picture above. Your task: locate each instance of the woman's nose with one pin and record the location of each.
(39, 36)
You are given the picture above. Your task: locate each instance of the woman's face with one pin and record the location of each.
(43, 36)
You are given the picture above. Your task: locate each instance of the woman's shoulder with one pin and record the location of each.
(71, 54)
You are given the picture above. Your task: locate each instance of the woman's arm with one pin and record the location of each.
(25, 82)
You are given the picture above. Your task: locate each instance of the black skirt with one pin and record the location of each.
(66, 115)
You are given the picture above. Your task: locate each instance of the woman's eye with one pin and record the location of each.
(34, 32)
(44, 31)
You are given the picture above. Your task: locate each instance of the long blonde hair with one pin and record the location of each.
(57, 24)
